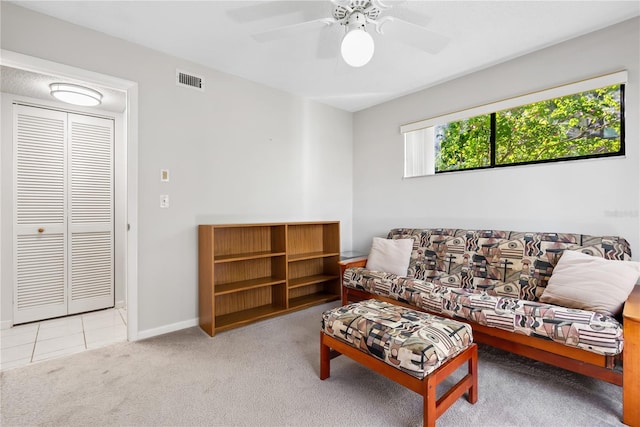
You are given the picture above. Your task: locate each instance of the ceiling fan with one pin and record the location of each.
(357, 18)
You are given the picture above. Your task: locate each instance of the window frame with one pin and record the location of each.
(491, 109)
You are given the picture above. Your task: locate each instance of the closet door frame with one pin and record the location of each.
(126, 182)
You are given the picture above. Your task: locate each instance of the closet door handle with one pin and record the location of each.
(40, 230)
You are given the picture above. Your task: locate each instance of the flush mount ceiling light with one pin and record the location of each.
(75, 94)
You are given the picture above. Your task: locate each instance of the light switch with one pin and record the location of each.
(164, 201)
(164, 175)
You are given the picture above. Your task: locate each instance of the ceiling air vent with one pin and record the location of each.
(184, 78)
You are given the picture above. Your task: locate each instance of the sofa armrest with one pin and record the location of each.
(631, 359)
(349, 263)
(353, 262)
(632, 305)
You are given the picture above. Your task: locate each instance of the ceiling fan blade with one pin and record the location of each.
(292, 30)
(303, 10)
(411, 15)
(415, 35)
(387, 4)
(329, 42)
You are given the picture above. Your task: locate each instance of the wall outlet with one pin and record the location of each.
(164, 201)
(164, 175)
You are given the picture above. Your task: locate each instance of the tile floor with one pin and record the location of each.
(34, 342)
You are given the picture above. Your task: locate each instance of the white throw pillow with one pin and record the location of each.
(591, 283)
(390, 255)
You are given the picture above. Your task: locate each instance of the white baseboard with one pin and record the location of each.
(119, 304)
(148, 333)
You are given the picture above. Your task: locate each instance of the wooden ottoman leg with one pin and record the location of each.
(472, 397)
(325, 359)
(429, 410)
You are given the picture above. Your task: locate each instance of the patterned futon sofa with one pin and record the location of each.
(493, 280)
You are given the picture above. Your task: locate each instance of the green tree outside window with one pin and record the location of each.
(586, 124)
(464, 144)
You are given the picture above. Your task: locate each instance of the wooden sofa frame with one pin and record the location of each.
(573, 359)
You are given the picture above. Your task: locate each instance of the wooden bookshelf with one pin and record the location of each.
(249, 272)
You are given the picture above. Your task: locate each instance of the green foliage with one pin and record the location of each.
(569, 126)
(464, 144)
(575, 125)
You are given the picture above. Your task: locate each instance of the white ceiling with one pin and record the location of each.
(217, 34)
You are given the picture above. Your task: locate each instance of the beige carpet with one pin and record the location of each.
(266, 374)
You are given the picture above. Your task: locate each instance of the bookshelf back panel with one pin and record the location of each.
(241, 240)
(306, 268)
(308, 290)
(229, 272)
(239, 301)
(331, 237)
(304, 238)
(331, 265)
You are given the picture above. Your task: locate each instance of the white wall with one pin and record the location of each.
(240, 152)
(598, 196)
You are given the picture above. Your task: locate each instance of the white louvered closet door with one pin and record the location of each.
(60, 262)
(40, 285)
(91, 272)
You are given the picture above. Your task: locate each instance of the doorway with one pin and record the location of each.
(63, 213)
(125, 206)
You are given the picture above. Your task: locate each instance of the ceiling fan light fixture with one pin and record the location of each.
(75, 94)
(357, 47)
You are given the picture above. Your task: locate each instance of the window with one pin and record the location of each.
(464, 144)
(582, 120)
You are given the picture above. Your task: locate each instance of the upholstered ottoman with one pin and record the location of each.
(415, 349)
